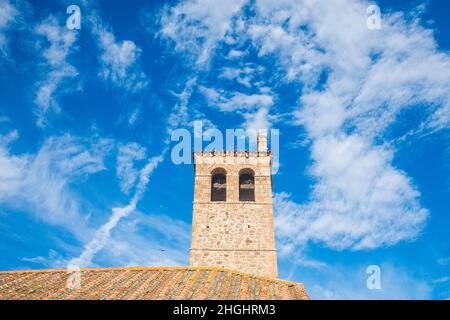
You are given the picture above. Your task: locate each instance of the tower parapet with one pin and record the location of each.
(233, 221)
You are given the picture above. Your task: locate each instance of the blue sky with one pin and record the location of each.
(86, 175)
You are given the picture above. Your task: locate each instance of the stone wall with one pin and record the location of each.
(233, 234)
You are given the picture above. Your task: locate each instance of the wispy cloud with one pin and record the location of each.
(56, 43)
(350, 218)
(8, 15)
(52, 260)
(41, 183)
(102, 235)
(126, 170)
(444, 261)
(180, 115)
(197, 26)
(119, 60)
(150, 240)
(441, 280)
(356, 83)
(255, 108)
(233, 54)
(235, 101)
(371, 77)
(243, 75)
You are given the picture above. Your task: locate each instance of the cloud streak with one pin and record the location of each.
(128, 154)
(56, 43)
(41, 183)
(119, 60)
(102, 235)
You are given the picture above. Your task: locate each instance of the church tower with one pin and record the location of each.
(233, 221)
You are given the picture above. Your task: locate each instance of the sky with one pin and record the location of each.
(87, 114)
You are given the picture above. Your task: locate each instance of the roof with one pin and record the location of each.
(159, 283)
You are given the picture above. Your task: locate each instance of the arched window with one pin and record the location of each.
(219, 185)
(246, 185)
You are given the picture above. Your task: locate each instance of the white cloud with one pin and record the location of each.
(197, 26)
(8, 15)
(53, 260)
(243, 75)
(441, 280)
(9, 137)
(126, 171)
(371, 75)
(119, 60)
(359, 200)
(255, 108)
(229, 102)
(134, 117)
(233, 54)
(355, 85)
(41, 183)
(140, 240)
(258, 120)
(180, 115)
(103, 234)
(443, 261)
(56, 43)
(398, 66)
(150, 240)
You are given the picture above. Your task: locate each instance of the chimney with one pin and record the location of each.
(262, 140)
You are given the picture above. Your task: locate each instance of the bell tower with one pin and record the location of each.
(233, 220)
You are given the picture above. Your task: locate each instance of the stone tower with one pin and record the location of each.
(233, 221)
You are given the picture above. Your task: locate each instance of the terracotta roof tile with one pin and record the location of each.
(176, 283)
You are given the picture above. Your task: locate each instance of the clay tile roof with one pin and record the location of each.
(147, 283)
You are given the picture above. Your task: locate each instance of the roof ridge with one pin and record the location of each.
(159, 268)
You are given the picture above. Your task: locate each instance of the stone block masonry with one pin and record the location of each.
(234, 234)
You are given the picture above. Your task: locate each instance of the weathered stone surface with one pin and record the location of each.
(234, 234)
